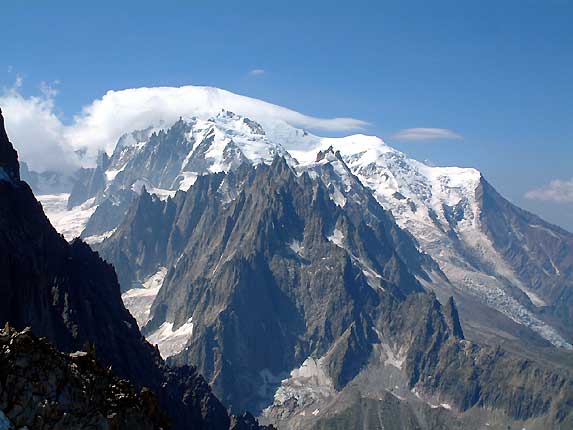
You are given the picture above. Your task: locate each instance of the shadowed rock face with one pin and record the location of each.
(541, 254)
(441, 363)
(68, 294)
(41, 388)
(8, 156)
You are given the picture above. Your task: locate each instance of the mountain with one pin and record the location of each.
(292, 295)
(68, 294)
(511, 277)
(48, 182)
(491, 251)
(181, 214)
(257, 239)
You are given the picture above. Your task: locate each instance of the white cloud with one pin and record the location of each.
(421, 134)
(35, 129)
(102, 122)
(257, 72)
(560, 191)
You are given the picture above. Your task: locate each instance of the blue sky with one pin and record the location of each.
(498, 73)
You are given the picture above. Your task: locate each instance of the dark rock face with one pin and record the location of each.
(88, 182)
(69, 295)
(109, 213)
(541, 254)
(388, 413)
(144, 237)
(41, 388)
(8, 155)
(440, 362)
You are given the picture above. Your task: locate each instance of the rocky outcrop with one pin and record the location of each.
(465, 375)
(41, 388)
(9, 167)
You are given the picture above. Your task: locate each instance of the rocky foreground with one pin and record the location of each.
(41, 388)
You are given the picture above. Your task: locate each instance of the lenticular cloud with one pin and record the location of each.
(101, 123)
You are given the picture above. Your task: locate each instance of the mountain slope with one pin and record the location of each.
(290, 283)
(263, 248)
(68, 294)
(506, 291)
(459, 220)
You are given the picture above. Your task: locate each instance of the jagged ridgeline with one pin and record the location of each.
(312, 312)
(510, 271)
(69, 295)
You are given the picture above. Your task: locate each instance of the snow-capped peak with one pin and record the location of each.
(171, 157)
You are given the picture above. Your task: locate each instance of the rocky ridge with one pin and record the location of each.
(41, 388)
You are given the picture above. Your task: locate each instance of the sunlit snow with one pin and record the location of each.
(139, 300)
(169, 341)
(71, 222)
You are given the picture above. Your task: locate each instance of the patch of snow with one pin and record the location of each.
(307, 385)
(169, 341)
(187, 179)
(296, 247)
(337, 237)
(393, 359)
(390, 357)
(162, 193)
(138, 301)
(338, 198)
(71, 222)
(110, 174)
(92, 240)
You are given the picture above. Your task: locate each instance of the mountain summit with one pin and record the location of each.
(9, 166)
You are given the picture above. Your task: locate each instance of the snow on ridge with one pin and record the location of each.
(337, 237)
(92, 240)
(138, 300)
(307, 384)
(171, 342)
(429, 201)
(103, 122)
